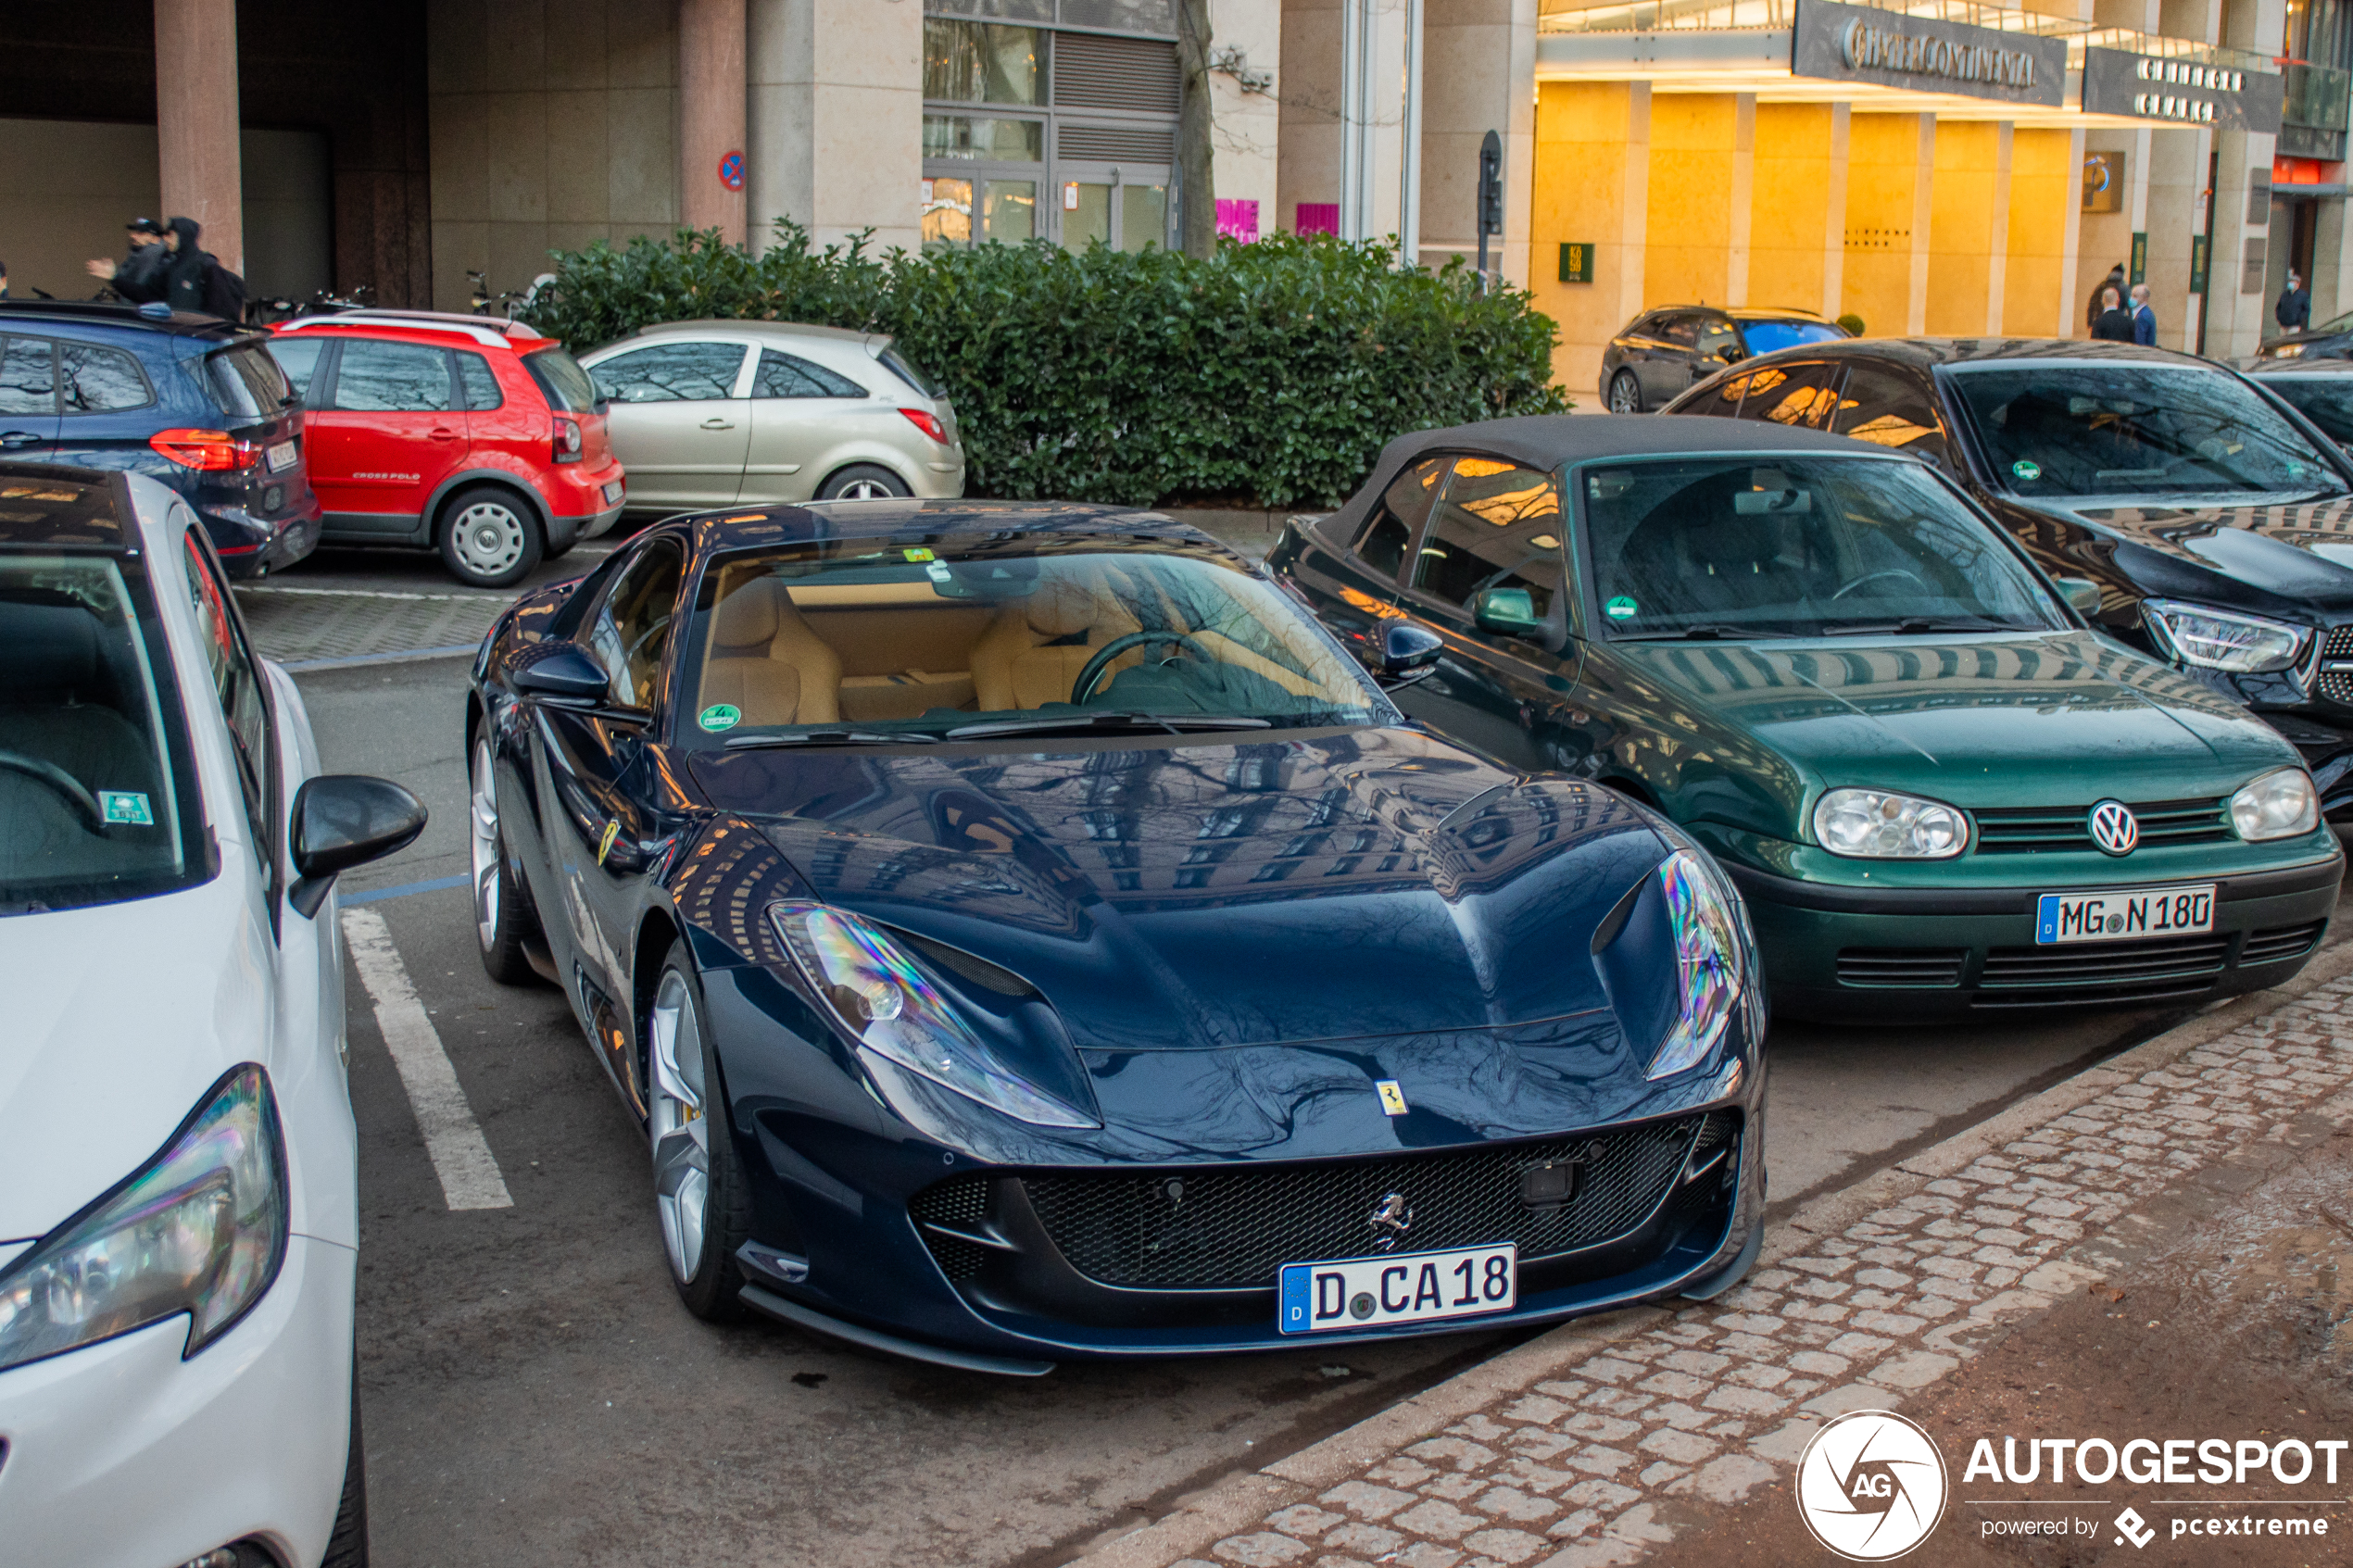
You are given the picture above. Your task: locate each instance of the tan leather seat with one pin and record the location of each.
(765, 660)
(1035, 649)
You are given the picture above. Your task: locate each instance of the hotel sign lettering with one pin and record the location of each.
(2183, 92)
(1859, 43)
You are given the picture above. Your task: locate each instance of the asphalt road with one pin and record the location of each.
(534, 1394)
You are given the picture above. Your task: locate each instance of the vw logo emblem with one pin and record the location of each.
(2114, 828)
(1389, 1219)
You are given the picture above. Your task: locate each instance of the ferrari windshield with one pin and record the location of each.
(1727, 547)
(91, 802)
(2136, 430)
(996, 635)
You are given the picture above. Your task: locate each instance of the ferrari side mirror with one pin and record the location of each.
(1408, 652)
(562, 673)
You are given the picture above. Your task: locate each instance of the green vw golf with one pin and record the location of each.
(1941, 792)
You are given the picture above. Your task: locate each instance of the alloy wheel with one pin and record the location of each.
(1625, 398)
(676, 1125)
(482, 824)
(488, 538)
(865, 490)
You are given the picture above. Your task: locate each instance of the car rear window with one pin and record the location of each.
(562, 380)
(1764, 337)
(247, 382)
(899, 364)
(97, 804)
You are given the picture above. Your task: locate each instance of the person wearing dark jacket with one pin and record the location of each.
(2294, 311)
(2115, 279)
(2114, 324)
(138, 276)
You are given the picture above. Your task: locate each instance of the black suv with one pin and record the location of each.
(1662, 353)
(192, 401)
(2216, 520)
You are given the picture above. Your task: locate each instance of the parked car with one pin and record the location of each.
(1662, 353)
(2329, 340)
(178, 1163)
(2321, 390)
(753, 413)
(478, 438)
(1946, 793)
(2208, 514)
(191, 401)
(1026, 935)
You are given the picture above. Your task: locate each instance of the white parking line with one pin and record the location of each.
(470, 1177)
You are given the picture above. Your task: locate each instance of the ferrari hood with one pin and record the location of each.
(2060, 718)
(1366, 883)
(2293, 556)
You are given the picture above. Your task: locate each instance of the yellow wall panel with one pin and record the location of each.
(1691, 181)
(1791, 196)
(1961, 231)
(1882, 180)
(2043, 181)
(1591, 163)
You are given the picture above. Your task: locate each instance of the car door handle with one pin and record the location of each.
(19, 438)
(440, 434)
(719, 424)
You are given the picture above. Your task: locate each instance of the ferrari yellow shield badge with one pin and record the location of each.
(604, 844)
(1393, 1096)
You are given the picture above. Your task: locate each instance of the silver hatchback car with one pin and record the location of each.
(713, 413)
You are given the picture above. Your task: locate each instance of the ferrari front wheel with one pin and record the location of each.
(700, 1196)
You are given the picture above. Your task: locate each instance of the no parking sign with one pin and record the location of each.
(731, 170)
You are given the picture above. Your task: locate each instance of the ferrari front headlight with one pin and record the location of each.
(884, 1002)
(1712, 959)
(199, 1229)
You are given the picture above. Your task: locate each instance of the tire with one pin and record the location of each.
(488, 536)
(1625, 394)
(504, 919)
(347, 1546)
(700, 1199)
(863, 482)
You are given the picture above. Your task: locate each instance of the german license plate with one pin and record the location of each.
(280, 456)
(2121, 914)
(1410, 1288)
(614, 491)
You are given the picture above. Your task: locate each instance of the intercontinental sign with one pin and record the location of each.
(1858, 44)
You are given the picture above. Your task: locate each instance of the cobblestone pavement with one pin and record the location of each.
(1573, 1453)
(297, 625)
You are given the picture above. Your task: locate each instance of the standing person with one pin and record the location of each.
(2115, 279)
(2113, 324)
(138, 276)
(2294, 311)
(2143, 318)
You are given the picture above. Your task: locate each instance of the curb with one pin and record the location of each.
(1236, 1503)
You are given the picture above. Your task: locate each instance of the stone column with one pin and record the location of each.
(711, 115)
(1834, 214)
(1478, 74)
(1379, 39)
(196, 122)
(1739, 200)
(836, 119)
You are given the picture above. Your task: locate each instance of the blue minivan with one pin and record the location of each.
(193, 401)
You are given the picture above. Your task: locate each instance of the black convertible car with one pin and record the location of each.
(1025, 934)
(2217, 522)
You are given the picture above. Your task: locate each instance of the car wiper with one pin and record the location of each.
(1687, 633)
(1175, 724)
(1914, 627)
(832, 737)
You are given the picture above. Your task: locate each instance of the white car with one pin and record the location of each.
(179, 1225)
(719, 413)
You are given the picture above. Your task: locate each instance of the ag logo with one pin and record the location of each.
(1872, 1485)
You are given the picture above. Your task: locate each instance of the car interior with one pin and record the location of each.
(878, 641)
(84, 800)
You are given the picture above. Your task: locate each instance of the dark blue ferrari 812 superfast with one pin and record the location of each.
(1024, 933)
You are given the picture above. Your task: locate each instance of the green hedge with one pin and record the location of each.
(1274, 371)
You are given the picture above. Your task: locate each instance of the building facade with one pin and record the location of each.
(1939, 166)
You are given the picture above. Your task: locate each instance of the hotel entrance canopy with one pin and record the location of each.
(1953, 59)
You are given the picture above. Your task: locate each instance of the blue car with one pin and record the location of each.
(191, 401)
(1026, 934)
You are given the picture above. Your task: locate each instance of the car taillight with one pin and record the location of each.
(211, 450)
(928, 423)
(568, 442)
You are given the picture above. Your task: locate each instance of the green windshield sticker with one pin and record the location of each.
(916, 555)
(721, 716)
(126, 805)
(1621, 609)
(2027, 470)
